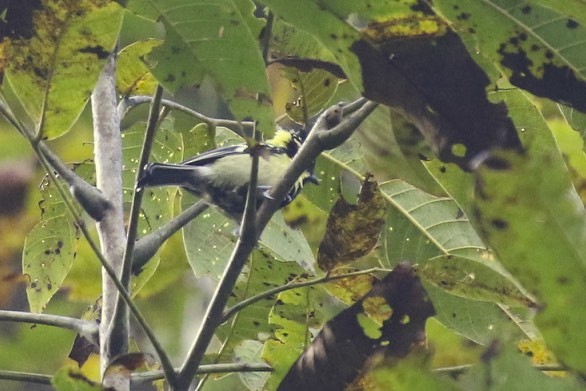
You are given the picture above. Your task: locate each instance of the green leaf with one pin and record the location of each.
(577, 121)
(438, 226)
(332, 32)
(219, 39)
(261, 274)
(133, 76)
(296, 317)
(314, 91)
(157, 204)
(470, 279)
(420, 227)
(410, 374)
(536, 223)
(286, 40)
(49, 248)
(54, 71)
(496, 371)
(210, 237)
(479, 321)
(250, 351)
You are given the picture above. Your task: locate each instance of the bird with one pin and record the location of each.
(221, 176)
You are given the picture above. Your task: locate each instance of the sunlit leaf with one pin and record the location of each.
(133, 76)
(54, 67)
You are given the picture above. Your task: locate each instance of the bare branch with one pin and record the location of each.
(108, 160)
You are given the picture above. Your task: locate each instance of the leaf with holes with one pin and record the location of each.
(541, 48)
(49, 249)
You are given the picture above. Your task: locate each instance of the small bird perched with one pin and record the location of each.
(221, 176)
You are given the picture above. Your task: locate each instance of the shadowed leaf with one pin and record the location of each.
(390, 320)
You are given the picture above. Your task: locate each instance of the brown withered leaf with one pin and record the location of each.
(352, 231)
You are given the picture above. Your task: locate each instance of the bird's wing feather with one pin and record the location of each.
(208, 157)
(211, 156)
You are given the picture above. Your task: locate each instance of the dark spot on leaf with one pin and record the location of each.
(563, 280)
(558, 83)
(327, 82)
(49, 286)
(421, 6)
(234, 22)
(523, 36)
(443, 169)
(47, 252)
(453, 315)
(57, 251)
(499, 224)
(548, 54)
(98, 50)
(535, 47)
(497, 163)
(572, 24)
(256, 323)
(42, 73)
(464, 16)
(526, 10)
(333, 36)
(170, 78)
(471, 30)
(33, 285)
(60, 243)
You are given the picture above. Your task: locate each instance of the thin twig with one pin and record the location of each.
(88, 329)
(26, 377)
(142, 377)
(235, 126)
(206, 369)
(294, 285)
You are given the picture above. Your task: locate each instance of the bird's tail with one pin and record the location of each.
(161, 174)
